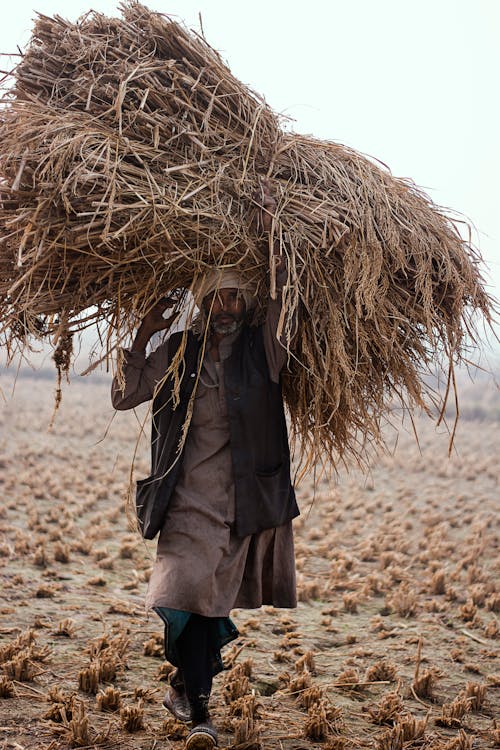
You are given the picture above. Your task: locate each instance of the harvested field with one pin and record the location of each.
(393, 644)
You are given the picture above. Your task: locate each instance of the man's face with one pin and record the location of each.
(228, 310)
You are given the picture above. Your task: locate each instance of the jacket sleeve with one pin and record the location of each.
(275, 347)
(140, 376)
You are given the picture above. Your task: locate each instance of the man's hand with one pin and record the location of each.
(153, 322)
(267, 201)
(264, 196)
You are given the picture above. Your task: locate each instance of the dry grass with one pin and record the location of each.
(145, 694)
(309, 696)
(316, 724)
(438, 582)
(6, 687)
(462, 741)
(130, 158)
(173, 729)
(425, 683)
(246, 732)
(65, 628)
(74, 727)
(236, 684)
(406, 729)
(23, 640)
(132, 717)
(452, 713)
(109, 699)
(74, 730)
(164, 672)
(88, 679)
(21, 665)
(387, 710)
(349, 679)
(46, 591)
(247, 706)
(381, 670)
(403, 601)
(475, 694)
(62, 706)
(62, 552)
(306, 663)
(299, 684)
(154, 646)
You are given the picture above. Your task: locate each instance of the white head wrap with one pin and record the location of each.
(224, 278)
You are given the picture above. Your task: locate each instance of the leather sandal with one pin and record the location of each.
(178, 705)
(202, 737)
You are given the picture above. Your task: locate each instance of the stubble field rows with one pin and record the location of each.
(394, 643)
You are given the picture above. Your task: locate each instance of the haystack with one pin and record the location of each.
(129, 160)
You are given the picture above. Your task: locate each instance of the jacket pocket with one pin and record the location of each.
(150, 506)
(269, 472)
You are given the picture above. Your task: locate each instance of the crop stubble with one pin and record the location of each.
(398, 618)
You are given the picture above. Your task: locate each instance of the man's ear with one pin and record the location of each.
(206, 302)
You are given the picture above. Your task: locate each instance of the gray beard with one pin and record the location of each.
(226, 330)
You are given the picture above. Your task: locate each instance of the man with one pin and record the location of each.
(226, 537)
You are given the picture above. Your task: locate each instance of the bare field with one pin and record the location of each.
(394, 643)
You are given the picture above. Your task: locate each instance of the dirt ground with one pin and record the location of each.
(393, 644)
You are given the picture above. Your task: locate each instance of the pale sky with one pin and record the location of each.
(414, 84)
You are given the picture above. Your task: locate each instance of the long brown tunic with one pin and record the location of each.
(201, 565)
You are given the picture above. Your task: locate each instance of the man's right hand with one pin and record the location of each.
(153, 322)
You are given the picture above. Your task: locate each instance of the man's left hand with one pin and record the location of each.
(267, 203)
(264, 196)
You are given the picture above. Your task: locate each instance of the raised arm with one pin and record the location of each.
(141, 373)
(275, 346)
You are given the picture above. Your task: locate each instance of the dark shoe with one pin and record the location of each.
(177, 681)
(178, 705)
(202, 737)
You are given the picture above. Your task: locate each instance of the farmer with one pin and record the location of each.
(226, 538)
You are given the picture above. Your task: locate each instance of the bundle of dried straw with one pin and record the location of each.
(129, 161)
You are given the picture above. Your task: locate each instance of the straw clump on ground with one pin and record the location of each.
(130, 161)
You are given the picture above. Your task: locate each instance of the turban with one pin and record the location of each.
(224, 278)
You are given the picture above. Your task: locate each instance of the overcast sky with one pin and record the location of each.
(414, 84)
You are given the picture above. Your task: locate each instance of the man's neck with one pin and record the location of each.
(215, 339)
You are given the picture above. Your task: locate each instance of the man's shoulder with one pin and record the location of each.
(177, 336)
(254, 333)
(175, 341)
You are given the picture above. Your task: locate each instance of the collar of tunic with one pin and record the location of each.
(211, 372)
